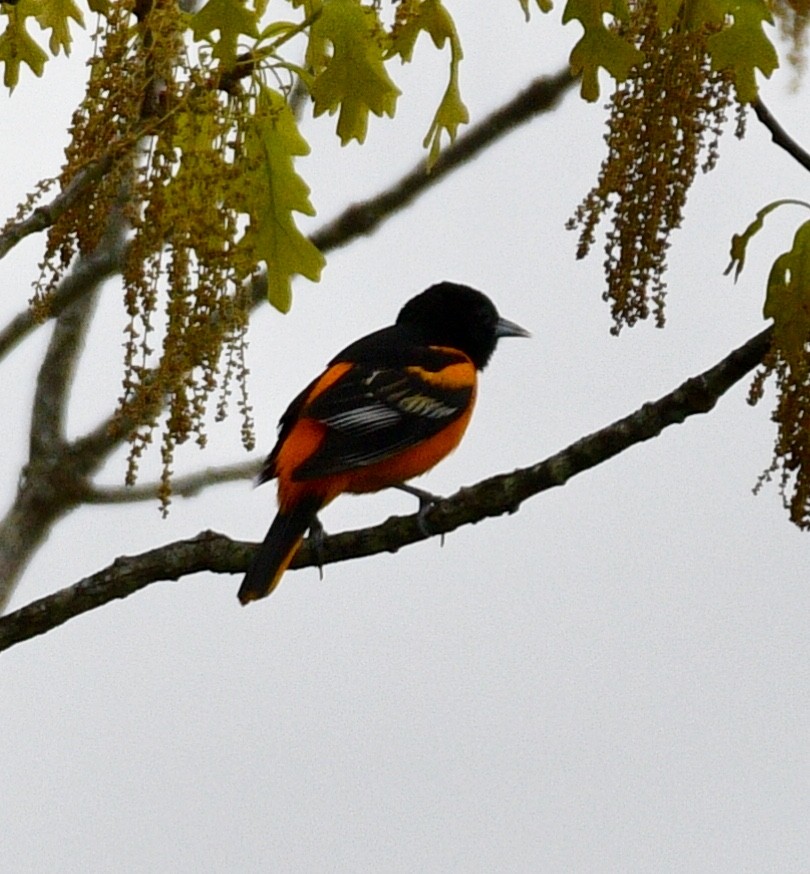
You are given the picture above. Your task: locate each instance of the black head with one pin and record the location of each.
(454, 315)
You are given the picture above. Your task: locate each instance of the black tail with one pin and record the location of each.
(273, 556)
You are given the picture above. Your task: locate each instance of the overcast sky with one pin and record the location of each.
(613, 679)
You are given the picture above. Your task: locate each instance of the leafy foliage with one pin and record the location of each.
(738, 44)
(17, 45)
(742, 46)
(55, 15)
(788, 361)
(231, 18)
(543, 6)
(601, 45)
(271, 192)
(668, 111)
(432, 17)
(739, 242)
(353, 78)
(189, 129)
(787, 302)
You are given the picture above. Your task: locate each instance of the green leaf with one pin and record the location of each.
(451, 113)
(261, 7)
(271, 192)
(599, 46)
(407, 27)
(354, 79)
(788, 299)
(742, 46)
(316, 53)
(433, 18)
(739, 242)
(668, 11)
(54, 15)
(231, 18)
(543, 5)
(17, 47)
(278, 29)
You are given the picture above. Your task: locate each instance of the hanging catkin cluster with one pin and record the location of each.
(165, 143)
(665, 121)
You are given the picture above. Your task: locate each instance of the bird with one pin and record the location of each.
(386, 409)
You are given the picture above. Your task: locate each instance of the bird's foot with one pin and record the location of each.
(427, 501)
(316, 536)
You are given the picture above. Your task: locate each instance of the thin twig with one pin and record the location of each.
(44, 216)
(780, 136)
(182, 486)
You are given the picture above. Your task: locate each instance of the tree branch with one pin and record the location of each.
(491, 497)
(86, 274)
(780, 136)
(182, 486)
(50, 480)
(363, 218)
(44, 216)
(541, 95)
(125, 576)
(54, 474)
(55, 377)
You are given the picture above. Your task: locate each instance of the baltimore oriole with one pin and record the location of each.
(386, 409)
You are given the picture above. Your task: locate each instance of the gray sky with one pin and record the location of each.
(613, 679)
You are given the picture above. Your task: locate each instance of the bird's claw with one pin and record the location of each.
(316, 536)
(427, 501)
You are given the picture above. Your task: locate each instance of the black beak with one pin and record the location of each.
(505, 328)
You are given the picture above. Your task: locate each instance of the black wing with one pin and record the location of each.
(380, 406)
(372, 412)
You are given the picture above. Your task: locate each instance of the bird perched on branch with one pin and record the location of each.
(386, 409)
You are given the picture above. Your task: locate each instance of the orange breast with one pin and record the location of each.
(411, 462)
